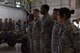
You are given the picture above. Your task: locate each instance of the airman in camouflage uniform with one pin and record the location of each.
(55, 29)
(68, 38)
(27, 43)
(30, 28)
(36, 32)
(55, 38)
(46, 30)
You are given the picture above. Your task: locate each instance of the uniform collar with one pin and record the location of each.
(66, 25)
(45, 16)
(35, 19)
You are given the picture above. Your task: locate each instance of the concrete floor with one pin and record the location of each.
(4, 48)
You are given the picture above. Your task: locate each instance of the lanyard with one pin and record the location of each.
(60, 39)
(62, 29)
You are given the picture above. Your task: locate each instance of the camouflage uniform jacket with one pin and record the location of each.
(46, 30)
(55, 38)
(36, 36)
(69, 39)
(30, 27)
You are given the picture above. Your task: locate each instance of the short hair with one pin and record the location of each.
(31, 16)
(56, 9)
(46, 7)
(36, 10)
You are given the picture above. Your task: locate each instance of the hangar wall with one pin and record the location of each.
(57, 4)
(14, 13)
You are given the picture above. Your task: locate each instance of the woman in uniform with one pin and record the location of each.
(26, 46)
(67, 38)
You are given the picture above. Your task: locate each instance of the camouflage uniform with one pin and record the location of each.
(68, 39)
(27, 41)
(36, 36)
(46, 30)
(55, 38)
(30, 27)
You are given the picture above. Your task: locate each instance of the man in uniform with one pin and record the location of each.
(36, 31)
(46, 29)
(19, 25)
(1, 29)
(1, 25)
(54, 37)
(10, 25)
(6, 24)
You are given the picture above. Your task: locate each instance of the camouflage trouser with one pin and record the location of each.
(45, 44)
(36, 46)
(31, 46)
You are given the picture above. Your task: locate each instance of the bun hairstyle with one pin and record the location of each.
(64, 11)
(72, 11)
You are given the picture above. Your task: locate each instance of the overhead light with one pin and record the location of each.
(18, 3)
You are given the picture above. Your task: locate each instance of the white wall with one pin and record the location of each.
(14, 13)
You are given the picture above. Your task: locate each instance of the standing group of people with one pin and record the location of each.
(52, 34)
(7, 26)
(11, 25)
